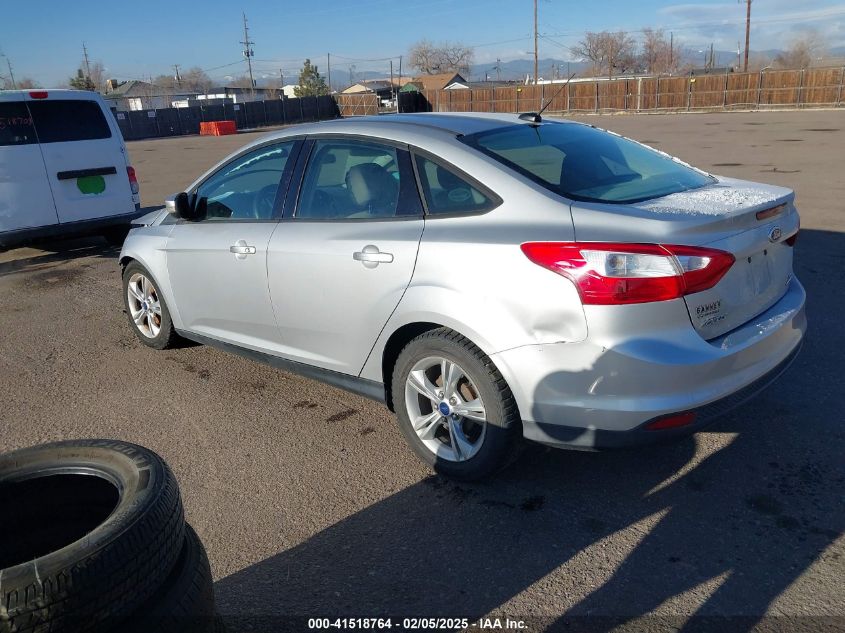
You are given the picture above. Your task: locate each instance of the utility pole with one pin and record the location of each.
(248, 53)
(392, 86)
(177, 78)
(329, 71)
(400, 72)
(747, 33)
(671, 50)
(11, 74)
(535, 42)
(87, 65)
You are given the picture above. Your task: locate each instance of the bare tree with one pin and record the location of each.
(658, 56)
(431, 59)
(196, 79)
(26, 83)
(21, 83)
(241, 82)
(802, 51)
(592, 49)
(608, 52)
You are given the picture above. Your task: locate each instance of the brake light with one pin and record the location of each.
(133, 180)
(614, 273)
(671, 421)
(39, 94)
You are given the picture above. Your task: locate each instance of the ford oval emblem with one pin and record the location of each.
(775, 234)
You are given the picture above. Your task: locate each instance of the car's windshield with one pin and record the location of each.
(584, 163)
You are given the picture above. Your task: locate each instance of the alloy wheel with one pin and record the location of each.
(144, 305)
(445, 409)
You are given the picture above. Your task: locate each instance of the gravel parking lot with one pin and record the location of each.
(310, 504)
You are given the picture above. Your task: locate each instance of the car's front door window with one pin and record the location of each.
(246, 188)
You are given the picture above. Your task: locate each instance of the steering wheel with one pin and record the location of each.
(262, 202)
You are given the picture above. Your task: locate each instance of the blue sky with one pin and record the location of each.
(43, 40)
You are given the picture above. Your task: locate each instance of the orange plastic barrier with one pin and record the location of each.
(218, 128)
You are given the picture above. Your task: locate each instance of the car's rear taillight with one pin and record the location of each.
(133, 180)
(39, 94)
(613, 273)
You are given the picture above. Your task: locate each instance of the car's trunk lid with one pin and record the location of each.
(748, 220)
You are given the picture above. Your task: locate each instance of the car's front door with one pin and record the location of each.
(340, 264)
(217, 264)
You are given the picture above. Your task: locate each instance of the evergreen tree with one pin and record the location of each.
(311, 82)
(81, 82)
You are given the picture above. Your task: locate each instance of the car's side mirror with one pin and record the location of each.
(180, 206)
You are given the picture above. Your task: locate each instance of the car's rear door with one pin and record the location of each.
(217, 265)
(25, 198)
(84, 155)
(345, 251)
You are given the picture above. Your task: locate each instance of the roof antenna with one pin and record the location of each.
(534, 117)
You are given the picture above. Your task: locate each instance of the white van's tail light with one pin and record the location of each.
(133, 180)
(613, 273)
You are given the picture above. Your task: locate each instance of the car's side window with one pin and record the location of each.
(348, 179)
(446, 192)
(246, 188)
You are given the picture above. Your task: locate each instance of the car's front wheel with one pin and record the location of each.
(146, 309)
(453, 406)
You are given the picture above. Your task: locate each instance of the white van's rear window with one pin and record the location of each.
(59, 121)
(16, 126)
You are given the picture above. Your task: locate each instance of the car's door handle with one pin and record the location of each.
(241, 248)
(371, 256)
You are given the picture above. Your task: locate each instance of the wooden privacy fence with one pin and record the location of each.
(817, 87)
(357, 104)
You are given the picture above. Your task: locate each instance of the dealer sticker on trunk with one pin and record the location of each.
(709, 313)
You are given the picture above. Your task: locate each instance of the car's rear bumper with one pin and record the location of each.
(590, 395)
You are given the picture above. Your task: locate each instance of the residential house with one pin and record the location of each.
(141, 95)
(440, 81)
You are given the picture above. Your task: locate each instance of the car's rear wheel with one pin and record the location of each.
(146, 309)
(453, 406)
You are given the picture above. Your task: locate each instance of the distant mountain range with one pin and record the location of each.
(549, 68)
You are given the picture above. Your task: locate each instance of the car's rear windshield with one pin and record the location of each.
(583, 163)
(62, 120)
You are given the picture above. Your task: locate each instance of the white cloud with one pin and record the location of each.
(773, 24)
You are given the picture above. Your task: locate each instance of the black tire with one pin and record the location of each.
(166, 336)
(185, 602)
(116, 235)
(503, 426)
(88, 531)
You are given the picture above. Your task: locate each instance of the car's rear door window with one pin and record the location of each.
(446, 192)
(16, 126)
(63, 120)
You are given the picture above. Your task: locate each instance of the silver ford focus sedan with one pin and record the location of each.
(486, 276)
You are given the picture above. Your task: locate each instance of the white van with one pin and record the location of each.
(63, 167)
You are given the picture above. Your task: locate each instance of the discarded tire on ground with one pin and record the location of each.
(89, 532)
(185, 601)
